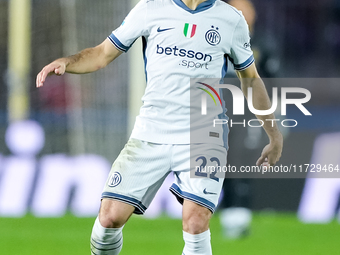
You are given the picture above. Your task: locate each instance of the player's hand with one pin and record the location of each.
(57, 67)
(271, 153)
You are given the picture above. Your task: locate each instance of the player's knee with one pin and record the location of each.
(110, 221)
(196, 219)
(114, 214)
(196, 223)
(194, 226)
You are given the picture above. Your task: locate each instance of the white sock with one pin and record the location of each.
(106, 241)
(197, 244)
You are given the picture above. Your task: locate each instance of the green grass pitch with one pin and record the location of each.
(271, 234)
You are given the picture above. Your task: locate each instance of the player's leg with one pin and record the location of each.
(196, 233)
(107, 237)
(114, 213)
(198, 192)
(135, 177)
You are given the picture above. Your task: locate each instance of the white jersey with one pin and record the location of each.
(180, 44)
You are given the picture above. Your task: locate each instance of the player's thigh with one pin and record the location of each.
(137, 173)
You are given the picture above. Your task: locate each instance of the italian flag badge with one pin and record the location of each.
(189, 30)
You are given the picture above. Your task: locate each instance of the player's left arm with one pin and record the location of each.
(250, 78)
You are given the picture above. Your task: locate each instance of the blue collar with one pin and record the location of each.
(201, 7)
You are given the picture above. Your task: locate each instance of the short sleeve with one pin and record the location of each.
(132, 27)
(241, 54)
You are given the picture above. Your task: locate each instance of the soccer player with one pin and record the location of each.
(182, 39)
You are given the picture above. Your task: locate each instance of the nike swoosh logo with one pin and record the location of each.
(208, 193)
(165, 29)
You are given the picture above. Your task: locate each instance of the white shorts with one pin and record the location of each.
(141, 168)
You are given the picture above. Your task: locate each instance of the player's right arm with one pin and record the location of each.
(87, 61)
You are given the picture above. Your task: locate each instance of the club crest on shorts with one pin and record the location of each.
(115, 179)
(212, 36)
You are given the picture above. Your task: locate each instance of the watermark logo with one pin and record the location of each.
(204, 97)
(238, 104)
(238, 100)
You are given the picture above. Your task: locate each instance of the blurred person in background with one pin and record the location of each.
(157, 147)
(235, 214)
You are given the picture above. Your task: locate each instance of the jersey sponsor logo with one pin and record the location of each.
(189, 30)
(212, 36)
(159, 30)
(208, 193)
(115, 179)
(203, 59)
(175, 51)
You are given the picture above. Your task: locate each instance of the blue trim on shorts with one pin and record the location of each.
(180, 195)
(139, 207)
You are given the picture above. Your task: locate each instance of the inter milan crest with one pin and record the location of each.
(189, 30)
(115, 179)
(212, 36)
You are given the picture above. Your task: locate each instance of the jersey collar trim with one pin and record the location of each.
(201, 7)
